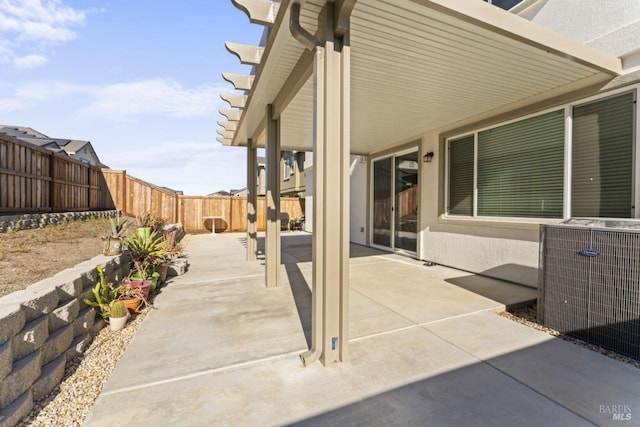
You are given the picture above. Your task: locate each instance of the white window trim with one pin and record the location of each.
(529, 223)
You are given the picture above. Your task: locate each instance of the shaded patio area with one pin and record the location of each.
(426, 349)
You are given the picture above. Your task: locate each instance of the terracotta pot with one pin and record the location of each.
(132, 304)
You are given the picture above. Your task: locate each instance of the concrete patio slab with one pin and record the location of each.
(426, 349)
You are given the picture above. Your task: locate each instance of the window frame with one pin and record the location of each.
(567, 174)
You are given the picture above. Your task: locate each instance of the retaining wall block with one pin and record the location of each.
(6, 359)
(98, 325)
(50, 377)
(12, 319)
(30, 338)
(84, 321)
(20, 408)
(69, 285)
(57, 344)
(78, 346)
(25, 372)
(38, 299)
(64, 315)
(177, 267)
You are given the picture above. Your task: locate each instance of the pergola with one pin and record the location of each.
(355, 77)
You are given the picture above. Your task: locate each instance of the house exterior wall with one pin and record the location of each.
(294, 185)
(615, 30)
(507, 249)
(357, 201)
(496, 249)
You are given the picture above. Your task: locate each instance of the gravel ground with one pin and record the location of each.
(70, 402)
(528, 315)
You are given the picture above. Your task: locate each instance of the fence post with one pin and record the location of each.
(123, 203)
(52, 183)
(89, 205)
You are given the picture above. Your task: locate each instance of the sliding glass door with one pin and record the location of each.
(395, 202)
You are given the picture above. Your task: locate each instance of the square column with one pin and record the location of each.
(272, 246)
(252, 200)
(331, 199)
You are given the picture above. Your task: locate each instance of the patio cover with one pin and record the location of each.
(417, 65)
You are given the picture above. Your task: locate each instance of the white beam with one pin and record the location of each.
(235, 100)
(247, 54)
(261, 12)
(227, 134)
(231, 113)
(239, 81)
(228, 125)
(224, 141)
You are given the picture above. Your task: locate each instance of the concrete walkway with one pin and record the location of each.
(427, 349)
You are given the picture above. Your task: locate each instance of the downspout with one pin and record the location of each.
(310, 42)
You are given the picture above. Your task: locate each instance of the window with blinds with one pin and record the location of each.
(521, 168)
(602, 157)
(461, 176)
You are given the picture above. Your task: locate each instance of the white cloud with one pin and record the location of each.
(31, 25)
(121, 101)
(156, 97)
(30, 61)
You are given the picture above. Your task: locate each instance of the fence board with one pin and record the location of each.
(135, 197)
(34, 179)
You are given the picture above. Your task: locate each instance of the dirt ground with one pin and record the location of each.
(28, 256)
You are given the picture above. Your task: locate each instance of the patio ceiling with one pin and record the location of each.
(419, 65)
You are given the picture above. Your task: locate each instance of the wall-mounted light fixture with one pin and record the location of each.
(428, 157)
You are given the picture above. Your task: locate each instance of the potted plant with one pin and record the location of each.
(113, 242)
(132, 296)
(146, 252)
(145, 223)
(118, 315)
(104, 294)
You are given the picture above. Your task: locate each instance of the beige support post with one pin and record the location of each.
(272, 244)
(252, 200)
(331, 194)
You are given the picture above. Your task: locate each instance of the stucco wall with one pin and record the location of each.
(611, 26)
(358, 201)
(507, 251)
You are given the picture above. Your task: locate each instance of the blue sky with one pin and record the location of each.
(140, 79)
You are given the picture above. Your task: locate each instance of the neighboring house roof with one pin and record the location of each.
(220, 193)
(69, 147)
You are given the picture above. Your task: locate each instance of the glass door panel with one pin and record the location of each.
(406, 202)
(382, 202)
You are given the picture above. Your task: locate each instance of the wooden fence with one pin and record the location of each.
(34, 179)
(135, 197)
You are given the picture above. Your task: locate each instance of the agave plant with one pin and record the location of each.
(146, 251)
(118, 227)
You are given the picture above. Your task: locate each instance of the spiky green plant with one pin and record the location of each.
(104, 294)
(118, 227)
(118, 309)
